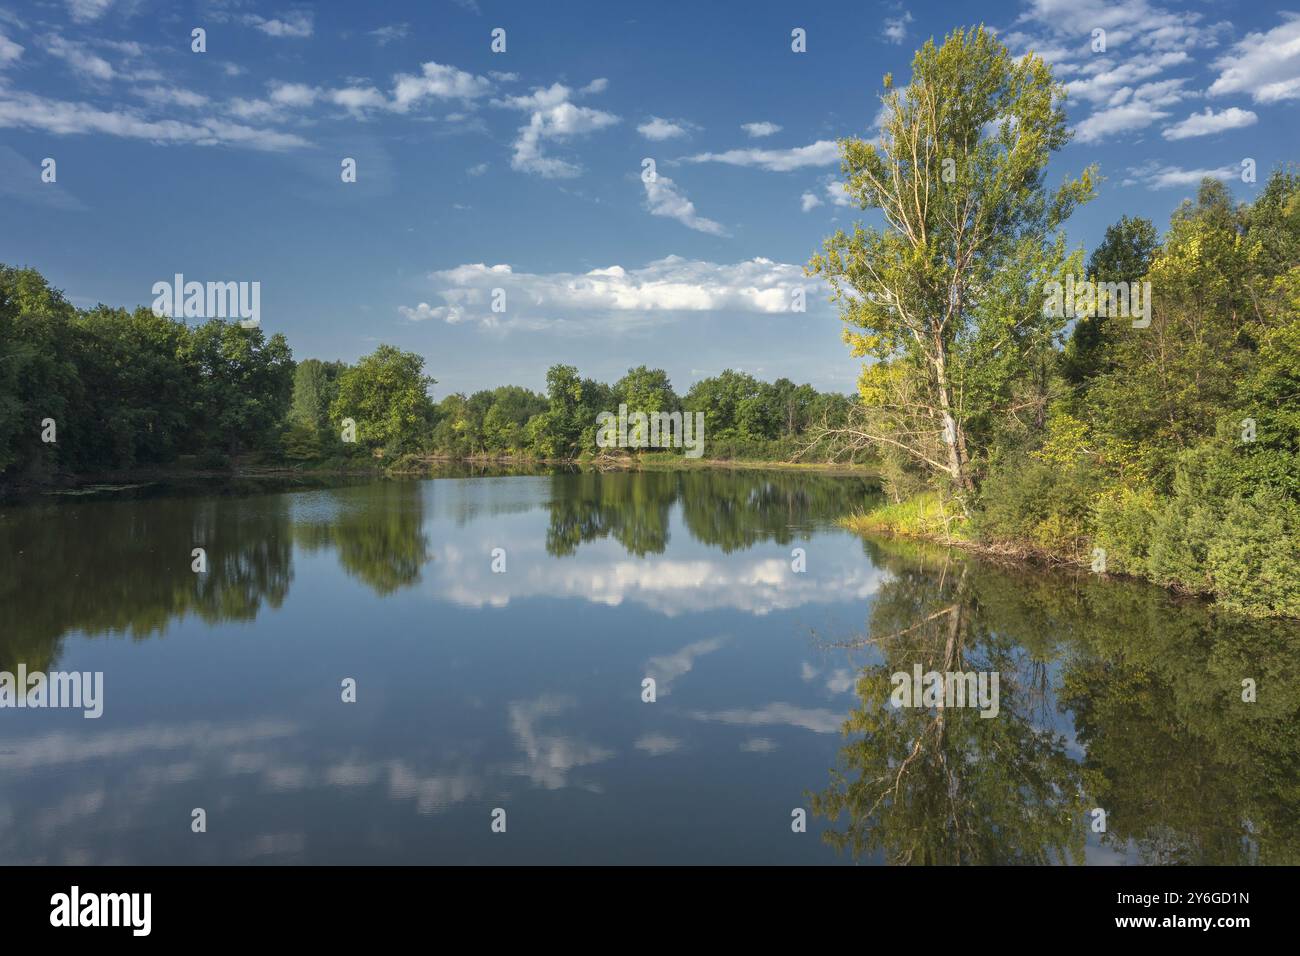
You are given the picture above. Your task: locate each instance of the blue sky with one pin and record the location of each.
(522, 170)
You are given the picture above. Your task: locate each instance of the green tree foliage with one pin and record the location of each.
(1125, 255)
(244, 382)
(315, 386)
(128, 389)
(947, 298)
(387, 394)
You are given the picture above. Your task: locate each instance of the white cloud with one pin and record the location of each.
(1203, 124)
(1118, 119)
(1129, 109)
(293, 94)
(657, 129)
(9, 50)
(612, 297)
(233, 69)
(478, 169)
(759, 130)
(1142, 41)
(87, 11)
(895, 30)
(809, 201)
(62, 117)
(1153, 175)
(79, 57)
(298, 24)
(171, 95)
(553, 117)
(1135, 23)
(387, 34)
(439, 82)
(836, 195)
(1265, 65)
(662, 198)
(821, 153)
(1104, 81)
(356, 99)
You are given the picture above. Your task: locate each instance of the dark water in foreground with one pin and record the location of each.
(522, 690)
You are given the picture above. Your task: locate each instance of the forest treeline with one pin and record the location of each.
(1162, 442)
(108, 390)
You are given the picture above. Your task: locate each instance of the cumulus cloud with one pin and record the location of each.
(610, 297)
(9, 50)
(1130, 109)
(821, 153)
(658, 129)
(83, 61)
(1265, 65)
(437, 81)
(298, 24)
(1138, 24)
(663, 198)
(1155, 175)
(833, 191)
(87, 11)
(553, 117)
(1101, 81)
(759, 130)
(1208, 122)
(1143, 40)
(895, 29)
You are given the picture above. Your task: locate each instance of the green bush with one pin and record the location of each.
(1027, 499)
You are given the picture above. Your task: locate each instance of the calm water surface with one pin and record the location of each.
(522, 690)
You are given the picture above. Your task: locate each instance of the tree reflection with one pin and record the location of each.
(1151, 685)
(125, 567)
(729, 510)
(378, 532)
(945, 785)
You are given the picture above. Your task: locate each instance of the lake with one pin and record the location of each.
(501, 632)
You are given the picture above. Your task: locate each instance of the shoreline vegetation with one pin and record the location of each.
(1136, 414)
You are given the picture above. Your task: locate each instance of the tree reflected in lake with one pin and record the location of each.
(1149, 687)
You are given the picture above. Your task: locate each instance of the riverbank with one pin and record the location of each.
(316, 473)
(926, 517)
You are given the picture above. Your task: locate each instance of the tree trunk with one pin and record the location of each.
(953, 437)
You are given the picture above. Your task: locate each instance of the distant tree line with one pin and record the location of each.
(104, 390)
